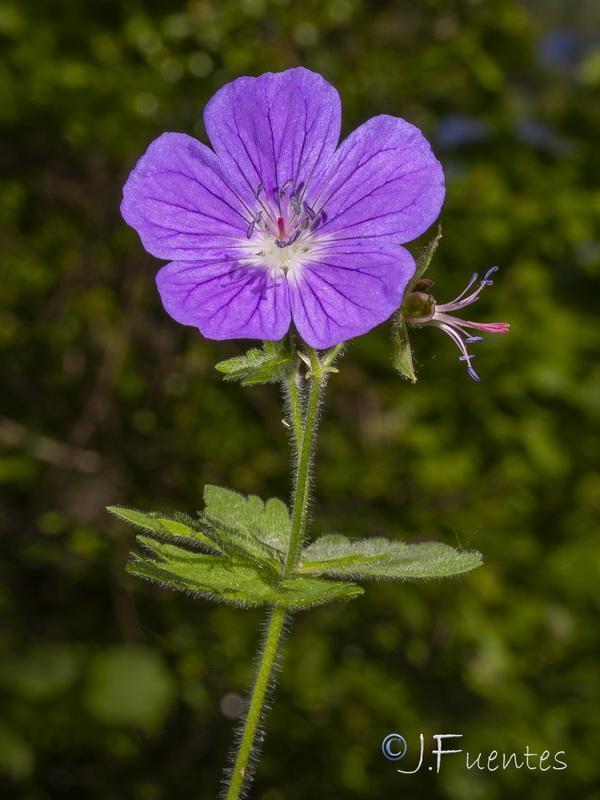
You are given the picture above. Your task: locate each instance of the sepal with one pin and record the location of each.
(402, 358)
(424, 260)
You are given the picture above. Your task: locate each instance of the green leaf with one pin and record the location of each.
(302, 592)
(242, 527)
(274, 361)
(337, 556)
(183, 527)
(245, 528)
(268, 522)
(237, 582)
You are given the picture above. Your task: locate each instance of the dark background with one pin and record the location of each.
(114, 689)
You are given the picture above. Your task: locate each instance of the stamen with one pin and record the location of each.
(443, 318)
(474, 277)
(284, 187)
(311, 213)
(295, 204)
(461, 301)
(250, 230)
(294, 237)
(455, 334)
(259, 190)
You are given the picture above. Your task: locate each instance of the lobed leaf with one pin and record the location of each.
(245, 528)
(183, 527)
(274, 361)
(337, 556)
(266, 522)
(238, 582)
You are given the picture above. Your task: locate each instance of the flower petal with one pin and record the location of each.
(276, 128)
(225, 299)
(348, 288)
(179, 200)
(383, 180)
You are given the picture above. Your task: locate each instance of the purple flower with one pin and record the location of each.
(420, 309)
(277, 223)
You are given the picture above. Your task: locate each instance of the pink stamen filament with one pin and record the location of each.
(490, 327)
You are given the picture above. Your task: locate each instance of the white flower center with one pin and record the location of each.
(265, 251)
(281, 236)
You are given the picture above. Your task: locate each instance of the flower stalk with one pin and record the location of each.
(303, 424)
(239, 774)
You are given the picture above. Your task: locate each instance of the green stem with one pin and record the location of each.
(304, 427)
(304, 463)
(294, 409)
(261, 684)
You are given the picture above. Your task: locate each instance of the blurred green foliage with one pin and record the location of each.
(113, 689)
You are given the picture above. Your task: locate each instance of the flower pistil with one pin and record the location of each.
(282, 230)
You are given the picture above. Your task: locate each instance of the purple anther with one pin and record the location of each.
(259, 190)
(250, 230)
(311, 213)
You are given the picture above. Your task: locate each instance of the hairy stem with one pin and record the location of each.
(304, 426)
(266, 663)
(294, 410)
(306, 448)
